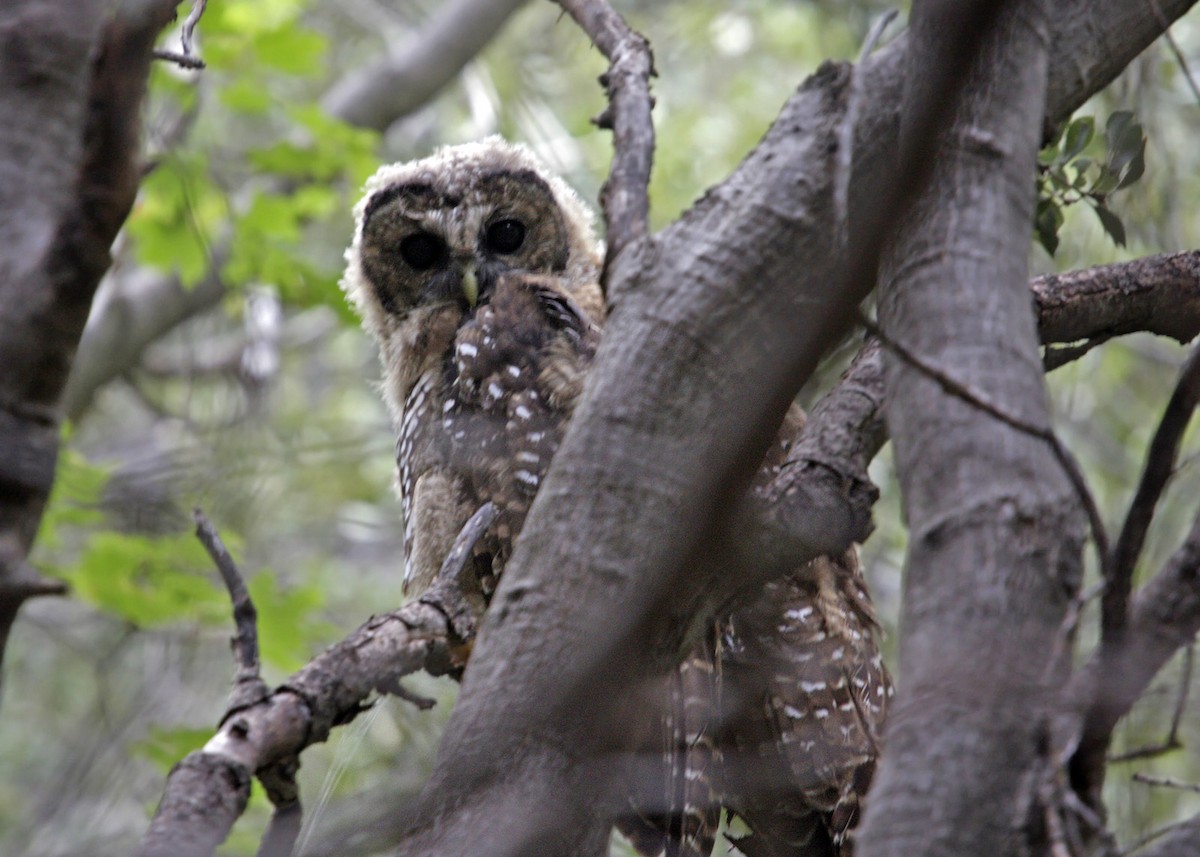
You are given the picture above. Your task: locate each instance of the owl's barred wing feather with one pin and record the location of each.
(476, 272)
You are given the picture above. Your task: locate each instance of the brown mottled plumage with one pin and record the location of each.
(476, 272)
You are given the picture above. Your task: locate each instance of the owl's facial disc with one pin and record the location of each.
(425, 244)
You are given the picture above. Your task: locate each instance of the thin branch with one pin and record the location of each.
(282, 832)
(245, 617)
(189, 26)
(203, 795)
(625, 196)
(187, 58)
(1170, 40)
(1169, 782)
(1160, 463)
(182, 60)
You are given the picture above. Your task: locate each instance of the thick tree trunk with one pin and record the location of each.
(995, 529)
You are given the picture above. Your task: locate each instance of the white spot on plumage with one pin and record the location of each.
(821, 713)
(494, 390)
(523, 412)
(526, 477)
(469, 349)
(793, 712)
(449, 406)
(515, 371)
(812, 686)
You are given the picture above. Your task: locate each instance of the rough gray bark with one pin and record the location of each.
(995, 531)
(72, 77)
(701, 315)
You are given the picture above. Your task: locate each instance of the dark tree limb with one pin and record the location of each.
(1158, 294)
(68, 185)
(625, 196)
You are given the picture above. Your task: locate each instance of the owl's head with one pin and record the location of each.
(437, 232)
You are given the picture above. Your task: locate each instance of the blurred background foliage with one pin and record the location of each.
(258, 403)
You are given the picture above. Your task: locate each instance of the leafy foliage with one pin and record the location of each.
(1075, 168)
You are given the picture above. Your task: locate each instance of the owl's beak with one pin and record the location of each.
(470, 286)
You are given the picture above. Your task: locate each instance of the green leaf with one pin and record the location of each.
(1136, 168)
(1116, 124)
(165, 747)
(1112, 224)
(1046, 223)
(288, 628)
(243, 96)
(149, 581)
(292, 50)
(74, 502)
(1078, 134)
(1106, 182)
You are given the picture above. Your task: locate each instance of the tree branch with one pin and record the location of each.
(328, 692)
(68, 187)
(377, 95)
(625, 196)
(1158, 294)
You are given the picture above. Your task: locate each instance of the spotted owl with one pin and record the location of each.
(476, 271)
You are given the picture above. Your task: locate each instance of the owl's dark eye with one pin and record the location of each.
(505, 236)
(422, 251)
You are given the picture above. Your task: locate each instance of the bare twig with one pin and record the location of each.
(286, 821)
(1171, 43)
(1168, 782)
(187, 58)
(1164, 617)
(245, 617)
(189, 26)
(181, 60)
(625, 196)
(1160, 463)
